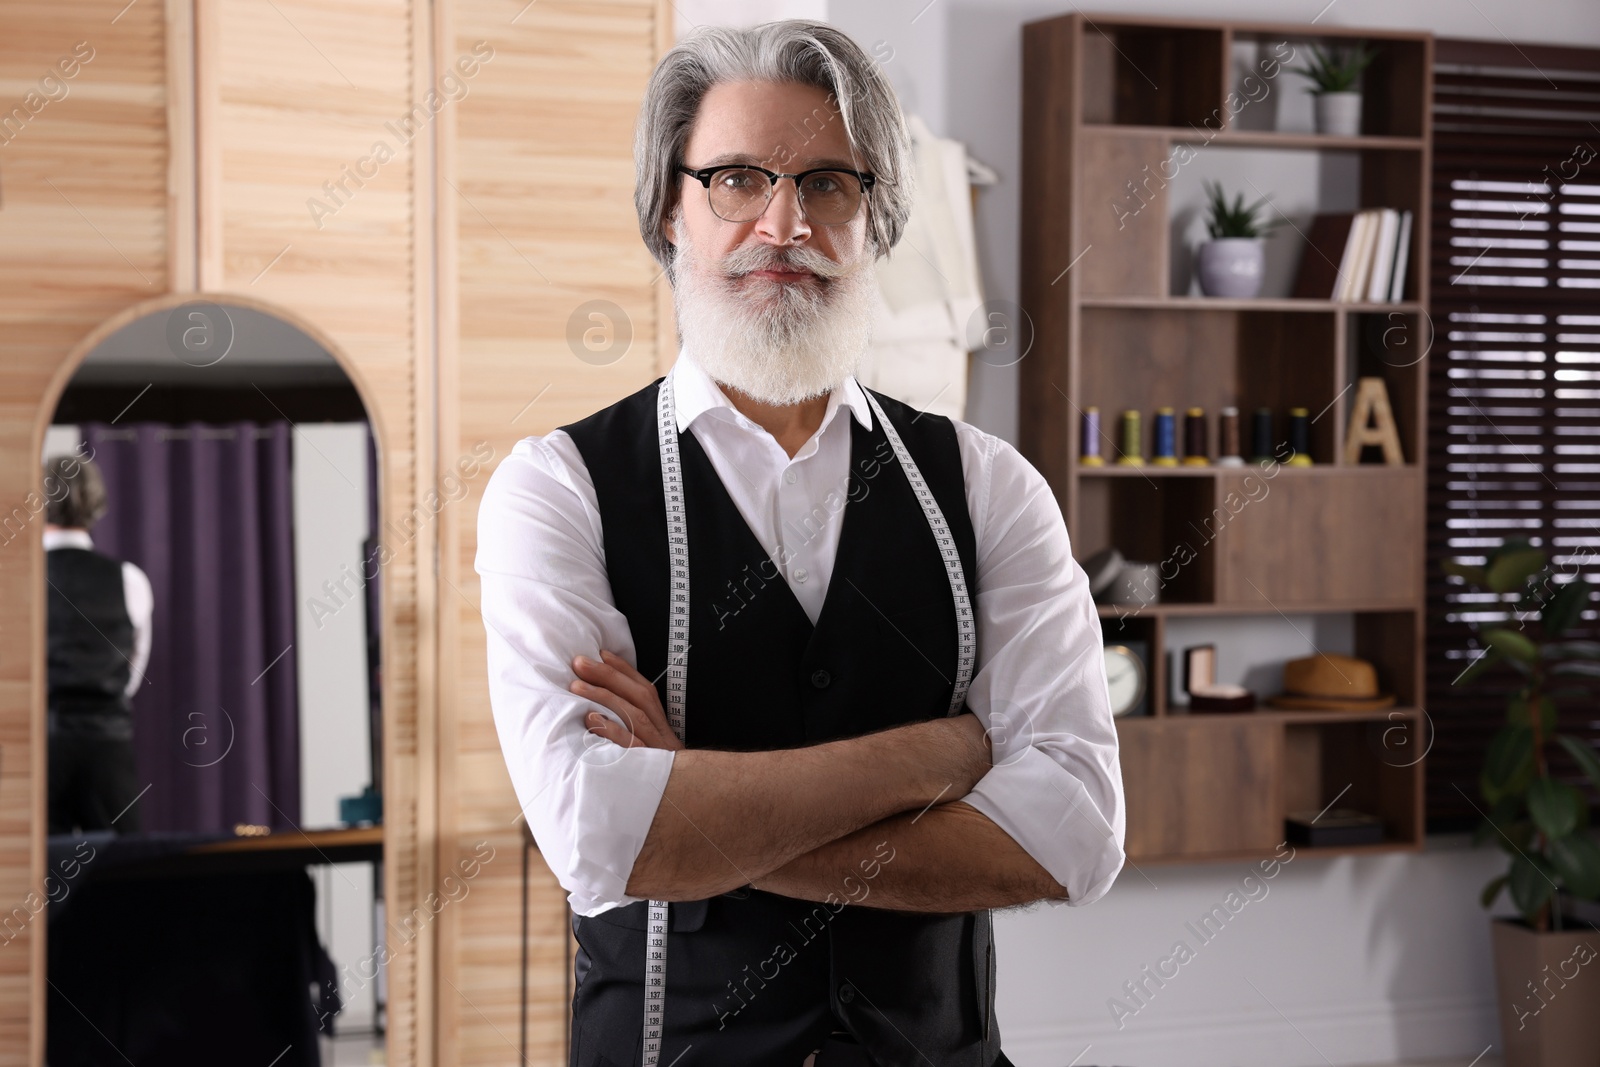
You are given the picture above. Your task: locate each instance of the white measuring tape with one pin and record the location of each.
(966, 625)
(655, 967)
(655, 964)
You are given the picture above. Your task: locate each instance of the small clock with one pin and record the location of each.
(1126, 678)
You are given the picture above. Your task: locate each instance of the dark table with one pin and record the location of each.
(185, 948)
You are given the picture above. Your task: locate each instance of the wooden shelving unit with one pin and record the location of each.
(1107, 100)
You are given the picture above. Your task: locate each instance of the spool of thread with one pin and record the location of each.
(1195, 452)
(1166, 440)
(1261, 436)
(1228, 438)
(1300, 437)
(1131, 436)
(1089, 454)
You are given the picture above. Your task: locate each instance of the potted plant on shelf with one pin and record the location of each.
(1230, 264)
(1336, 102)
(1549, 1016)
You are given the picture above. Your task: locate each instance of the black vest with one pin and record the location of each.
(756, 977)
(90, 634)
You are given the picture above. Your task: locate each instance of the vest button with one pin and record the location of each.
(820, 679)
(847, 993)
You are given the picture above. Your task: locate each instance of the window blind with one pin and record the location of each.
(1514, 371)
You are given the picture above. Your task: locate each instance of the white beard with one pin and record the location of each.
(777, 342)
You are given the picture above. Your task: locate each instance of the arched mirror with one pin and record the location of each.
(214, 694)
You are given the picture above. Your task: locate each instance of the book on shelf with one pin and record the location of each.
(1382, 262)
(1325, 258)
(1355, 282)
(1402, 258)
(1356, 257)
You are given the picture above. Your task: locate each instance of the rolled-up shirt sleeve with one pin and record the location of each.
(546, 598)
(1056, 784)
(139, 599)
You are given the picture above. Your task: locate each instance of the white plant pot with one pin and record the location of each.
(1338, 114)
(1231, 267)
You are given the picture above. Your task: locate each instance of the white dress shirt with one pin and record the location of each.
(1040, 683)
(137, 597)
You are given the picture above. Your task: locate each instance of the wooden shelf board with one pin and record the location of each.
(1147, 471)
(1217, 303)
(338, 837)
(1278, 715)
(1318, 141)
(1114, 20)
(1260, 138)
(1262, 854)
(1192, 610)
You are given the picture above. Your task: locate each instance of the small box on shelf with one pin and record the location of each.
(1333, 826)
(1201, 689)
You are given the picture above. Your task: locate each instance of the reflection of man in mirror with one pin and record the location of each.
(839, 682)
(97, 647)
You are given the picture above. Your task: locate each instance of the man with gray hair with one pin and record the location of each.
(794, 682)
(99, 617)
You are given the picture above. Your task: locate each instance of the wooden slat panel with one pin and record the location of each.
(536, 210)
(75, 249)
(294, 96)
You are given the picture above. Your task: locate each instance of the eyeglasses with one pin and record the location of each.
(828, 196)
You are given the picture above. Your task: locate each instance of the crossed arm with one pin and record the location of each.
(825, 819)
(875, 819)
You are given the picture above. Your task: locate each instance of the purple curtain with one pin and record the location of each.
(207, 511)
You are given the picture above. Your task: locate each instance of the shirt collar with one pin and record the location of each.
(67, 539)
(695, 392)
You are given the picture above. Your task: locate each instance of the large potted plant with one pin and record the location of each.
(1545, 960)
(1230, 264)
(1336, 100)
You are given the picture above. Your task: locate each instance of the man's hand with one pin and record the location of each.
(949, 858)
(614, 684)
(727, 818)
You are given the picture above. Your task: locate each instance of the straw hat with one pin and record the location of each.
(1330, 682)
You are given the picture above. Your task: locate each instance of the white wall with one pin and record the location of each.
(1354, 960)
(60, 441)
(1341, 961)
(330, 507)
(692, 13)
(330, 504)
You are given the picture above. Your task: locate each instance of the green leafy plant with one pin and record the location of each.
(1541, 822)
(1235, 220)
(1336, 71)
